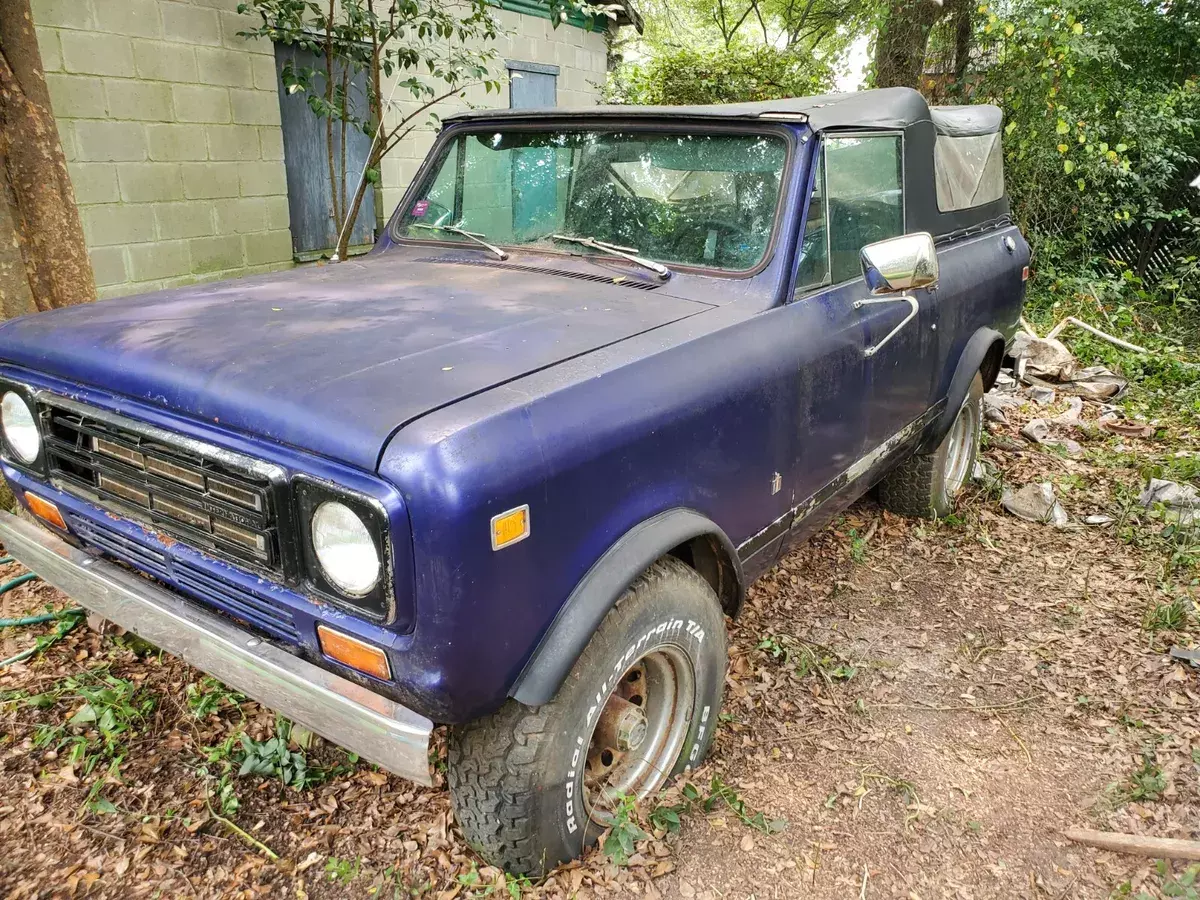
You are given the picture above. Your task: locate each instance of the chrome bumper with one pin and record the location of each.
(374, 727)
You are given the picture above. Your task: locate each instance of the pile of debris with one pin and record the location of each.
(1044, 369)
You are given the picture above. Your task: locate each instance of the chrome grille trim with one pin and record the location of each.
(212, 499)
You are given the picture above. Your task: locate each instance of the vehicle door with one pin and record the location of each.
(862, 379)
(865, 185)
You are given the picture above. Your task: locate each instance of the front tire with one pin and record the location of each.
(531, 785)
(927, 485)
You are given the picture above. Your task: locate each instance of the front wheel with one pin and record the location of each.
(534, 786)
(927, 485)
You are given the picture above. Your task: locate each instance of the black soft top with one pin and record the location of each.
(882, 108)
(885, 109)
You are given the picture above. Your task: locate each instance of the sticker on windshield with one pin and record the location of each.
(420, 208)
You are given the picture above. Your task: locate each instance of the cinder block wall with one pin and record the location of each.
(170, 125)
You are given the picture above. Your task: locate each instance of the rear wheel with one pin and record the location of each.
(533, 787)
(928, 484)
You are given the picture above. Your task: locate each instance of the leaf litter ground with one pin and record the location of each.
(925, 704)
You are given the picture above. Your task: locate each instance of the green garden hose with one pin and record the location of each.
(66, 618)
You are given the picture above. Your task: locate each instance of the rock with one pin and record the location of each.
(747, 843)
(1036, 431)
(1044, 357)
(1042, 396)
(1035, 503)
(1170, 494)
(1098, 520)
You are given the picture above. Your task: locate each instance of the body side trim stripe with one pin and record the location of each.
(857, 470)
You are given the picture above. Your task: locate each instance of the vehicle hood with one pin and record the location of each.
(333, 359)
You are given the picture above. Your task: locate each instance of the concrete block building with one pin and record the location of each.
(178, 138)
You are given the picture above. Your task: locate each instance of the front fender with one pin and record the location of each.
(983, 353)
(603, 585)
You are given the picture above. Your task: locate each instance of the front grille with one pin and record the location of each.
(171, 486)
(254, 609)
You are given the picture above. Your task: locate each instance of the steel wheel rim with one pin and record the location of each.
(664, 682)
(960, 449)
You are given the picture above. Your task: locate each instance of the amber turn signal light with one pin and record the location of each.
(45, 510)
(354, 653)
(510, 527)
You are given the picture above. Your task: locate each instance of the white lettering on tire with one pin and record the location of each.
(661, 630)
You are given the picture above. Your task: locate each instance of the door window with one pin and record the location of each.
(857, 200)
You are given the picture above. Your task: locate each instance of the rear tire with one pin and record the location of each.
(927, 485)
(530, 784)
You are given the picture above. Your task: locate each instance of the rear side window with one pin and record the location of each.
(858, 199)
(969, 170)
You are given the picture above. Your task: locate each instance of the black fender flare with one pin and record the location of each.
(603, 585)
(983, 353)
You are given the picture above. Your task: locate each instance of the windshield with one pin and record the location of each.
(704, 199)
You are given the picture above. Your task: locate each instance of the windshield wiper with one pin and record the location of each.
(469, 235)
(629, 253)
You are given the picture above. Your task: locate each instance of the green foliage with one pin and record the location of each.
(685, 75)
(273, 757)
(721, 794)
(1166, 616)
(343, 871)
(208, 696)
(1172, 885)
(623, 831)
(107, 711)
(1102, 134)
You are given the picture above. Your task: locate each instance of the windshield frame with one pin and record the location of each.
(442, 146)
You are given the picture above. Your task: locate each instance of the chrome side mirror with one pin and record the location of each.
(900, 264)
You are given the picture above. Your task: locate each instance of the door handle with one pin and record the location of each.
(875, 301)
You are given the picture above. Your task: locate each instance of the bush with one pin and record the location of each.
(682, 76)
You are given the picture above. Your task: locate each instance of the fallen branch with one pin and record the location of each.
(249, 838)
(1135, 844)
(1071, 320)
(923, 704)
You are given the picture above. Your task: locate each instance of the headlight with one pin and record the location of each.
(344, 548)
(20, 429)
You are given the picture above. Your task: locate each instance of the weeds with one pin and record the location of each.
(1172, 885)
(721, 793)
(624, 831)
(274, 757)
(809, 658)
(1146, 784)
(343, 871)
(208, 696)
(107, 711)
(1172, 616)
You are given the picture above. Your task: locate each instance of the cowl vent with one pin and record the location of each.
(542, 270)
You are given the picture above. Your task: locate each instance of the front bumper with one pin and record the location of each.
(366, 723)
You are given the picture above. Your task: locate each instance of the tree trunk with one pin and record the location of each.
(57, 269)
(903, 36)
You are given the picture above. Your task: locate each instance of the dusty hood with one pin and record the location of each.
(334, 359)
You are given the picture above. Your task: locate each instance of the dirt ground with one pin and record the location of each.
(926, 705)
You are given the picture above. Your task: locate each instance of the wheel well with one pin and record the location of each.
(990, 367)
(707, 555)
